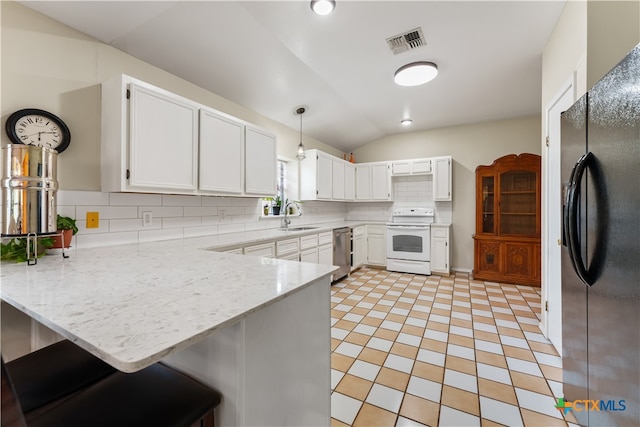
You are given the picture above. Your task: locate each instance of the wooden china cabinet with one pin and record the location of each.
(507, 239)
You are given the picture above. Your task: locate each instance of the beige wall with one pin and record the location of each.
(50, 66)
(613, 29)
(470, 146)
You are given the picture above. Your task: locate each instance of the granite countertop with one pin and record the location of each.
(133, 304)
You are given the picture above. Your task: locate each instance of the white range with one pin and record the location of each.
(409, 240)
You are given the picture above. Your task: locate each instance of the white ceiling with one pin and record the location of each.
(272, 56)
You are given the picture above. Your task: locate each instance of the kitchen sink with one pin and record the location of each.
(297, 228)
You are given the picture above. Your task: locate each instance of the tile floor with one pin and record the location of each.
(413, 350)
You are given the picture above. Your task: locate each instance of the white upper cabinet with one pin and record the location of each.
(402, 167)
(316, 176)
(155, 141)
(338, 183)
(411, 167)
(149, 139)
(221, 154)
(420, 166)
(381, 181)
(349, 181)
(260, 162)
(442, 178)
(363, 181)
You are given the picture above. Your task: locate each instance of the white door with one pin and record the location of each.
(349, 181)
(260, 162)
(363, 182)
(325, 176)
(163, 141)
(338, 179)
(442, 179)
(325, 254)
(552, 211)
(380, 181)
(221, 154)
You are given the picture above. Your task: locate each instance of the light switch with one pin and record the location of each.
(93, 219)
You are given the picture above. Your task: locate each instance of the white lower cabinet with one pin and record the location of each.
(376, 245)
(359, 255)
(288, 249)
(309, 255)
(237, 251)
(325, 248)
(325, 254)
(264, 249)
(440, 249)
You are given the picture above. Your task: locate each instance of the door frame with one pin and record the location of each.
(569, 86)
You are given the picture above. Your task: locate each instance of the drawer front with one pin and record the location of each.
(358, 231)
(287, 246)
(307, 242)
(291, 257)
(325, 238)
(421, 166)
(266, 249)
(439, 232)
(237, 251)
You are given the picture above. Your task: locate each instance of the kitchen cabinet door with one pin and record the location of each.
(325, 254)
(381, 181)
(309, 255)
(401, 168)
(359, 256)
(337, 175)
(442, 179)
(163, 141)
(316, 176)
(349, 181)
(440, 249)
(376, 245)
(260, 162)
(363, 182)
(221, 154)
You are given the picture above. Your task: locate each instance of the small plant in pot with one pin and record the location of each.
(277, 204)
(68, 228)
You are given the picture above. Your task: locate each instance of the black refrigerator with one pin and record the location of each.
(600, 158)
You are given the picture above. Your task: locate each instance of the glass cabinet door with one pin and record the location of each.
(518, 203)
(488, 209)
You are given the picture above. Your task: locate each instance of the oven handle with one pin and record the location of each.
(407, 227)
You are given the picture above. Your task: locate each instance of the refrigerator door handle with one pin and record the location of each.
(571, 218)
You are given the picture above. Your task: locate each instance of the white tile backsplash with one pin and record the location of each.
(408, 192)
(177, 216)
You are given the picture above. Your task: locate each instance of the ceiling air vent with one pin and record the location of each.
(409, 40)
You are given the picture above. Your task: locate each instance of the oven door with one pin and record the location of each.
(408, 242)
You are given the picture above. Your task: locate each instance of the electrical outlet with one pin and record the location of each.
(147, 219)
(93, 219)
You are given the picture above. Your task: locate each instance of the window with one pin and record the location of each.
(286, 186)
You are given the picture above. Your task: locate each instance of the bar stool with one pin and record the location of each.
(54, 372)
(157, 396)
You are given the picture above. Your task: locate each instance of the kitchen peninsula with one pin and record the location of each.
(255, 329)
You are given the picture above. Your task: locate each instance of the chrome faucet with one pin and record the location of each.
(286, 221)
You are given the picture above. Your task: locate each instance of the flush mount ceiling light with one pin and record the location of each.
(323, 7)
(416, 73)
(406, 122)
(300, 155)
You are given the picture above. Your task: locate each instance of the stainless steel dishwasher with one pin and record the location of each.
(341, 252)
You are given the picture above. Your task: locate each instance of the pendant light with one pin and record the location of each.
(301, 154)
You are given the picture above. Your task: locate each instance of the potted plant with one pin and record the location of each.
(16, 248)
(277, 203)
(68, 228)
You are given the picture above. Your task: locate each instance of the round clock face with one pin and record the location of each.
(38, 127)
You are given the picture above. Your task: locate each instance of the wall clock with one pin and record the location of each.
(32, 126)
